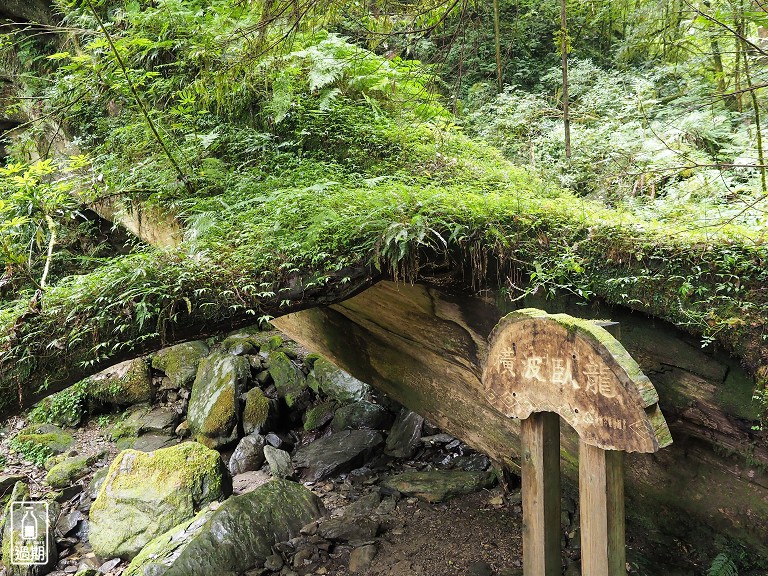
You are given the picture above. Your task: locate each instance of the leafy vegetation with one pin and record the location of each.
(306, 154)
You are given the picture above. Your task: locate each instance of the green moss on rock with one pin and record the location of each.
(67, 471)
(289, 380)
(213, 404)
(145, 494)
(129, 382)
(256, 411)
(319, 415)
(236, 536)
(180, 362)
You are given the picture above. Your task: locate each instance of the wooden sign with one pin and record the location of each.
(539, 362)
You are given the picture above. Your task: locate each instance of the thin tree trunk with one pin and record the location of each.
(497, 38)
(564, 50)
(756, 112)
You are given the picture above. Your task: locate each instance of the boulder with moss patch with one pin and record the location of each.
(213, 404)
(257, 411)
(66, 472)
(129, 382)
(145, 494)
(290, 382)
(336, 383)
(235, 537)
(43, 437)
(180, 362)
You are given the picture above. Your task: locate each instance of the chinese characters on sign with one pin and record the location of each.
(594, 378)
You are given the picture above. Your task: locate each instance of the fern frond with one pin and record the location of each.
(722, 565)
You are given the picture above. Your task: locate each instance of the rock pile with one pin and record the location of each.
(251, 457)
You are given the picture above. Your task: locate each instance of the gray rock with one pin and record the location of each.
(362, 506)
(339, 452)
(213, 404)
(472, 463)
(439, 485)
(180, 362)
(249, 455)
(68, 522)
(7, 482)
(360, 558)
(238, 535)
(359, 529)
(145, 494)
(249, 481)
(337, 384)
(98, 479)
(361, 415)
(405, 436)
(160, 419)
(280, 464)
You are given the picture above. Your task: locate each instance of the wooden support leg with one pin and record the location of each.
(540, 438)
(601, 493)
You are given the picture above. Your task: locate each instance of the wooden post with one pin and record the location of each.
(540, 439)
(601, 492)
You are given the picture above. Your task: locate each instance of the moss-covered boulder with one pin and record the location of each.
(213, 404)
(180, 362)
(440, 485)
(336, 383)
(66, 472)
(319, 415)
(144, 418)
(257, 411)
(240, 344)
(234, 537)
(129, 382)
(362, 414)
(289, 380)
(42, 438)
(145, 494)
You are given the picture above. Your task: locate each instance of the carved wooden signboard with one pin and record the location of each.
(540, 366)
(556, 363)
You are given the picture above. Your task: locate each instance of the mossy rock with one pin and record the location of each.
(240, 344)
(336, 383)
(289, 380)
(440, 485)
(66, 472)
(129, 382)
(54, 439)
(213, 405)
(145, 494)
(362, 415)
(180, 363)
(238, 535)
(319, 416)
(256, 412)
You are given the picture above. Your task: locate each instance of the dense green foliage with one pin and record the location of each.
(303, 156)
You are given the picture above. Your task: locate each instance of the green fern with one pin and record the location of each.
(722, 565)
